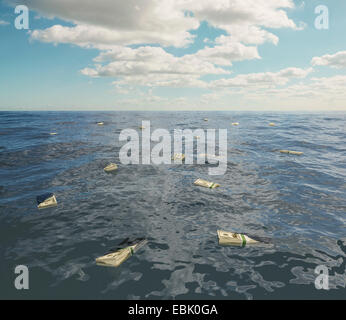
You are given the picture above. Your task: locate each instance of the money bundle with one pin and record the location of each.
(206, 184)
(115, 259)
(297, 153)
(178, 156)
(111, 167)
(47, 200)
(235, 239)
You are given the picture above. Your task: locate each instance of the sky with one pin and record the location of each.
(249, 55)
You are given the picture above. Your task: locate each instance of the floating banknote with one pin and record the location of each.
(47, 200)
(292, 152)
(232, 238)
(111, 167)
(206, 184)
(178, 156)
(115, 259)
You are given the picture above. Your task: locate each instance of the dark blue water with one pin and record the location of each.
(299, 202)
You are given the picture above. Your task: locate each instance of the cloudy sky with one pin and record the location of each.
(173, 55)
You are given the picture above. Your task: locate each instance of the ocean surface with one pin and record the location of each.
(296, 203)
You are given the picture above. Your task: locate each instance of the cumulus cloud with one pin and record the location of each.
(106, 22)
(149, 59)
(112, 26)
(104, 38)
(319, 89)
(152, 66)
(229, 15)
(226, 50)
(248, 34)
(263, 79)
(337, 60)
(318, 92)
(4, 23)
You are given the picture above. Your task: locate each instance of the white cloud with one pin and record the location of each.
(112, 25)
(319, 92)
(226, 50)
(248, 34)
(225, 14)
(263, 79)
(104, 38)
(116, 22)
(337, 60)
(4, 23)
(163, 80)
(106, 22)
(152, 66)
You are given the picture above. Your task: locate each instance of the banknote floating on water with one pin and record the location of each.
(47, 200)
(297, 153)
(178, 156)
(115, 259)
(234, 239)
(206, 184)
(111, 167)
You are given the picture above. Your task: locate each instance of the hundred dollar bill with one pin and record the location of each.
(291, 152)
(232, 238)
(115, 259)
(47, 200)
(206, 184)
(178, 156)
(111, 167)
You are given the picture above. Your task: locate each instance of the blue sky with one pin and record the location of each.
(173, 55)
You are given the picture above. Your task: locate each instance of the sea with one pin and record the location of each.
(295, 204)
